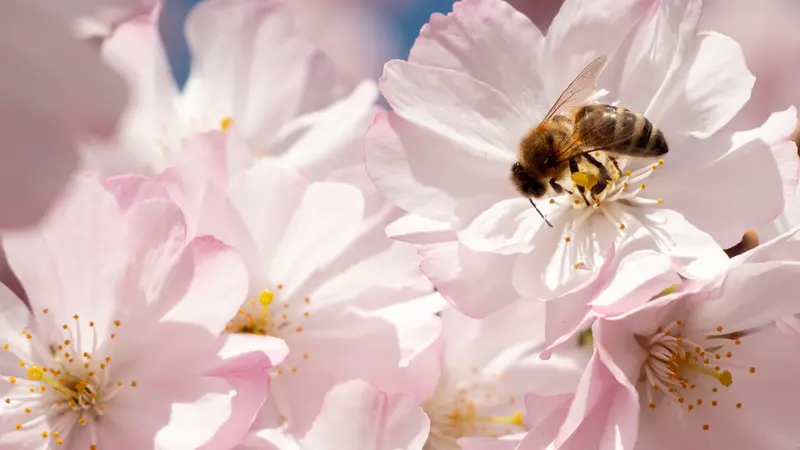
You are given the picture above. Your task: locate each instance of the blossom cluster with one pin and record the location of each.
(266, 258)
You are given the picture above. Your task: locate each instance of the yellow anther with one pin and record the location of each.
(567, 239)
(35, 373)
(265, 297)
(552, 201)
(660, 201)
(627, 173)
(225, 123)
(660, 162)
(641, 186)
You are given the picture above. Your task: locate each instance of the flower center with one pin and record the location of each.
(591, 189)
(267, 316)
(70, 389)
(680, 370)
(457, 414)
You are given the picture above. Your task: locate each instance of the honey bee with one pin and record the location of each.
(571, 131)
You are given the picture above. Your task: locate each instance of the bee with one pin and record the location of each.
(571, 131)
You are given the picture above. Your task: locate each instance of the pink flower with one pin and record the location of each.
(478, 79)
(55, 91)
(120, 348)
(698, 369)
(487, 368)
(324, 278)
(252, 73)
(358, 416)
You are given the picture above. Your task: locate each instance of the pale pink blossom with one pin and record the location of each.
(252, 71)
(699, 369)
(324, 278)
(487, 368)
(120, 347)
(54, 91)
(478, 79)
(357, 416)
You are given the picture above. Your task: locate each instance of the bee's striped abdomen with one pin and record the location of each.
(616, 129)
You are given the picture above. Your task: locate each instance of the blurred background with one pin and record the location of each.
(359, 34)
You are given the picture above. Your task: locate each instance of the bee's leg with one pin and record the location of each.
(602, 183)
(573, 167)
(616, 164)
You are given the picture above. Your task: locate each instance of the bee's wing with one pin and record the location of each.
(580, 89)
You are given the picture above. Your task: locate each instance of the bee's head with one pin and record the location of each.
(537, 148)
(527, 185)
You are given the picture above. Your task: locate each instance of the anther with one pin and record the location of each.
(567, 239)
(225, 123)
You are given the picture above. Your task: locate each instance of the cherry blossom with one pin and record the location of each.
(704, 369)
(252, 70)
(462, 105)
(119, 348)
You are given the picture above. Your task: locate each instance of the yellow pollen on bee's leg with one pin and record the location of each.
(587, 180)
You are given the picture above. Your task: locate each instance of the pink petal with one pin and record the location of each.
(264, 199)
(327, 220)
(549, 270)
(182, 414)
(483, 443)
(246, 359)
(733, 214)
(507, 227)
(475, 283)
(335, 137)
(58, 92)
(341, 345)
(696, 252)
(605, 411)
(197, 181)
(266, 65)
(157, 239)
(477, 342)
(455, 106)
(418, 230)
(209, 272)
(405, 163)
(567, 50)
(58, 261)
(472, 34)
(659, 41)
(131, 189)
(752, 295)
(358, 416)
(705, 93)
(369, 265)
(148, 133)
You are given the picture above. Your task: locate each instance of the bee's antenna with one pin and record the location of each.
(540, 213)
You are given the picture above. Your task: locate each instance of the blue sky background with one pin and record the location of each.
(408, 19)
